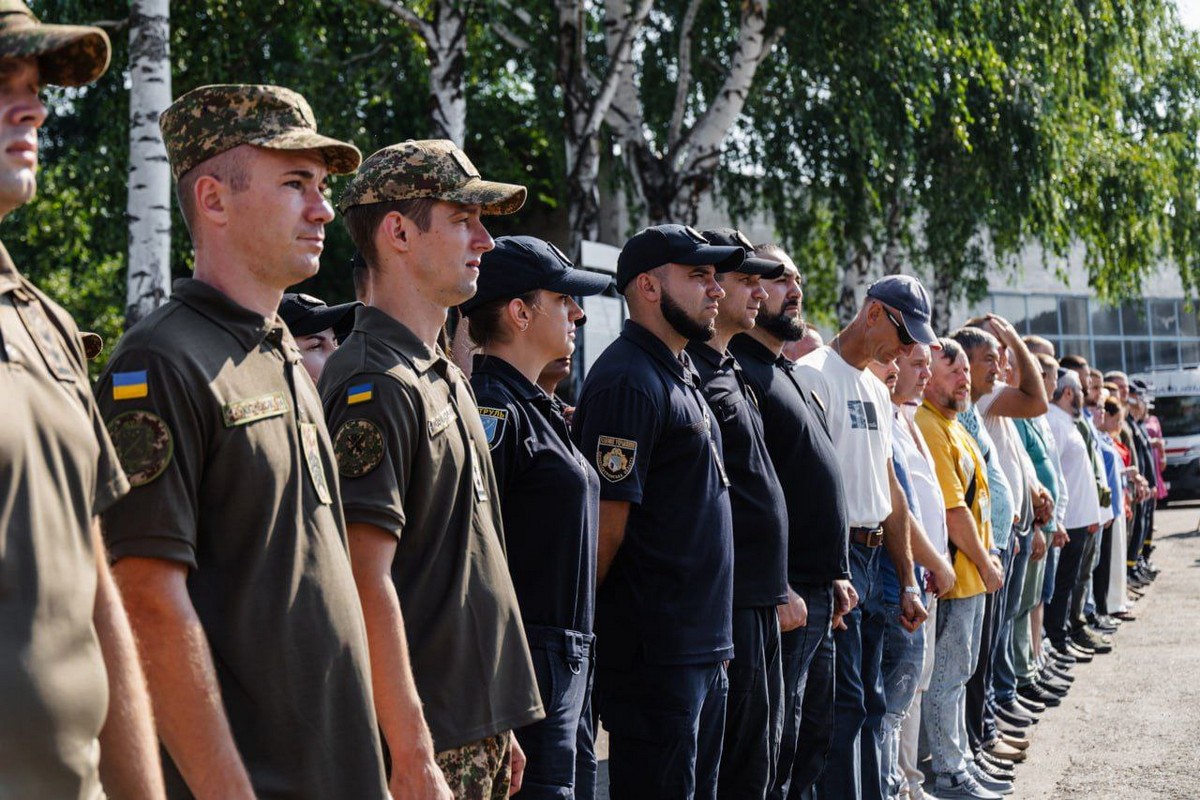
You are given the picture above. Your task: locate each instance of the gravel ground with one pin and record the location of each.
(1130, 728)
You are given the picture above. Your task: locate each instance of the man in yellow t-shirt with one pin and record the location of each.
(962, 475)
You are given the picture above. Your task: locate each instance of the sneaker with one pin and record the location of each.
(962, 785)
(1083, 655)
(985, 780)
(1001, 770)
(1092, 641)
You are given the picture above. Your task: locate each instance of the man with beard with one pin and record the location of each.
(752, 721)
(665, 556)
(962, 477)
(818, 573)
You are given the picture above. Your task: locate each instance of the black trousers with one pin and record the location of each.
(1079, 593)
(1101, 574)
(1056, 621)
(753, 713)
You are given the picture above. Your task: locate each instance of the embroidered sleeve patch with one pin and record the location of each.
(493, 424)
(143, 443)
(360, 393)
(243, 412)
(129, 385)
(358, 447)
(614, 457)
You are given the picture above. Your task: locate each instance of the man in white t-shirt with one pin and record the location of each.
(893, 319)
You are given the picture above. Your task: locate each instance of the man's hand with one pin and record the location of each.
(993, 576)
(1037, 545)
(845, 598)
(1060, 537)
(1003, 330)
(792, 614)
(943, 577)
(912, 611)
(418, 779)
(1095, 526)
(518, 766)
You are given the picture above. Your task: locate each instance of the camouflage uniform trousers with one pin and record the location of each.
(479, 770)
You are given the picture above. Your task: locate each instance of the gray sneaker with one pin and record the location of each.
(962, 787)
(987, 781)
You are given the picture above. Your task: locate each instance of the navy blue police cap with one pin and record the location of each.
(753, 265)
(905, 294)
(672, 244)
(306, 315)
(521, 264)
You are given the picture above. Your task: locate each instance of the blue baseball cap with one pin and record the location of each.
(906, 294)
(521, 264)
(672, 244)
(753, 265)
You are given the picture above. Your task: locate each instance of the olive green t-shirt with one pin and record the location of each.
(220, 431)
(414, 461)
(57, 471)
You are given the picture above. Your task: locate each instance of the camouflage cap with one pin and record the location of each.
(433, 168)
(210, 120)
(67, 55)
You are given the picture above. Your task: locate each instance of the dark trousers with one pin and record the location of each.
(842, 777)
(559, 749)
(1070, 556)
(981, 723)
(1137, 533)
(665, 724)
(1100, 575)
(753, 715)
(808, 667)
(1079, 593)
(876, 617)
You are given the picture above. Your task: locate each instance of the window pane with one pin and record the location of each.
(1166, 354)
(1073, 313)
(1133, 318)
(1137, 356)
(1075, 347)
(1108, 356)
(1012, 308)
(1189, 353)
(1187, 319)
(1043, 315)
(1164, 320)
(1106, 320)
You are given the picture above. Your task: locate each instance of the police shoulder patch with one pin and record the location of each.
(143, 443)
(614, 457)
(493, 420)
(358, 447)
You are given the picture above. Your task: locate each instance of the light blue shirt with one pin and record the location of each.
(998, 488)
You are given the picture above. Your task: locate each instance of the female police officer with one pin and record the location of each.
(522, 317)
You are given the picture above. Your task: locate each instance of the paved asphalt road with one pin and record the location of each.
(1130, 728)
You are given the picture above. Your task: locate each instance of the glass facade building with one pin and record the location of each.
(1134, 336)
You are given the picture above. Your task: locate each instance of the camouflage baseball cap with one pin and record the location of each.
(67, 55)
(433, 168)
(210, 120)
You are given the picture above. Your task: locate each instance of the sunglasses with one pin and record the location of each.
(906, 339)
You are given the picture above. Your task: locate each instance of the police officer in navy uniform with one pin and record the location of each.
(665, 557)
(523, 316)
(753, 721)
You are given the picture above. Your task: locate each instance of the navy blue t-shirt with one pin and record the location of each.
(668, 596)
(755, 496)
(549, 497)
(806, 462)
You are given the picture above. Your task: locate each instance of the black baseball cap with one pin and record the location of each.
(520, 264)
(753, 265)
(906, 294)
(672, 244)
(306, 315)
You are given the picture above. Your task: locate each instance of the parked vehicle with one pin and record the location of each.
(1177, 406)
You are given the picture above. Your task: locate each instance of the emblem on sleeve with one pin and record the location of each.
(143, 443)
(493, 420)
(614, 457)
(358, 447)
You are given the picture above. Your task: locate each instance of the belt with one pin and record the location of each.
(868, 537)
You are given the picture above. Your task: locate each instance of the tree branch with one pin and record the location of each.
(111, 26)
(509, 37)
(410, 18)
(683, 84)
(616, 67)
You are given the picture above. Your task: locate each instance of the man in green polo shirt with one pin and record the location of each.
(418, 489)
(73, 706)
(230, 549)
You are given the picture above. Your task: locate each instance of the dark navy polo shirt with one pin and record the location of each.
(549, 497)
(755, 496)
(668, 596)
(806, 462)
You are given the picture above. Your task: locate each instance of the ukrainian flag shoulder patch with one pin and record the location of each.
(360, 393)
(129, 385)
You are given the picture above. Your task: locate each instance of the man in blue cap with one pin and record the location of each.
(665, 554)
(893, 318)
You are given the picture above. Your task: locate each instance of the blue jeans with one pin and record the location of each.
(903, 656)
(559, 748)
(959, 633)
(855, 687)
(808, 666)
(1004, 674)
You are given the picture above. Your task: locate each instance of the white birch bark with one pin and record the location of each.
(149, 201)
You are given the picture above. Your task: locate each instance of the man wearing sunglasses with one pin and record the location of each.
(893, 318)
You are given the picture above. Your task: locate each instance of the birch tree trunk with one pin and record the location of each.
(149, 201)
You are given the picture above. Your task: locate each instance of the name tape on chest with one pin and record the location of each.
(493, 420)
(441, 420)
(615, 457)
(243, 412)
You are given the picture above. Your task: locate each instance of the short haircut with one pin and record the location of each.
(362, 221)
(1033, 340)
(1047, 362)
(951, 349)
(231, 168)
(361, 276)
(1112, 387)
(1095, 372)
(1073, 362)
(975, 322)
(1067, 379)
(971, 339)
(1113, 374)
(770, 250)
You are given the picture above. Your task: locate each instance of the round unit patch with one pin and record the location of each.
(358, 447)
(143, 443)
